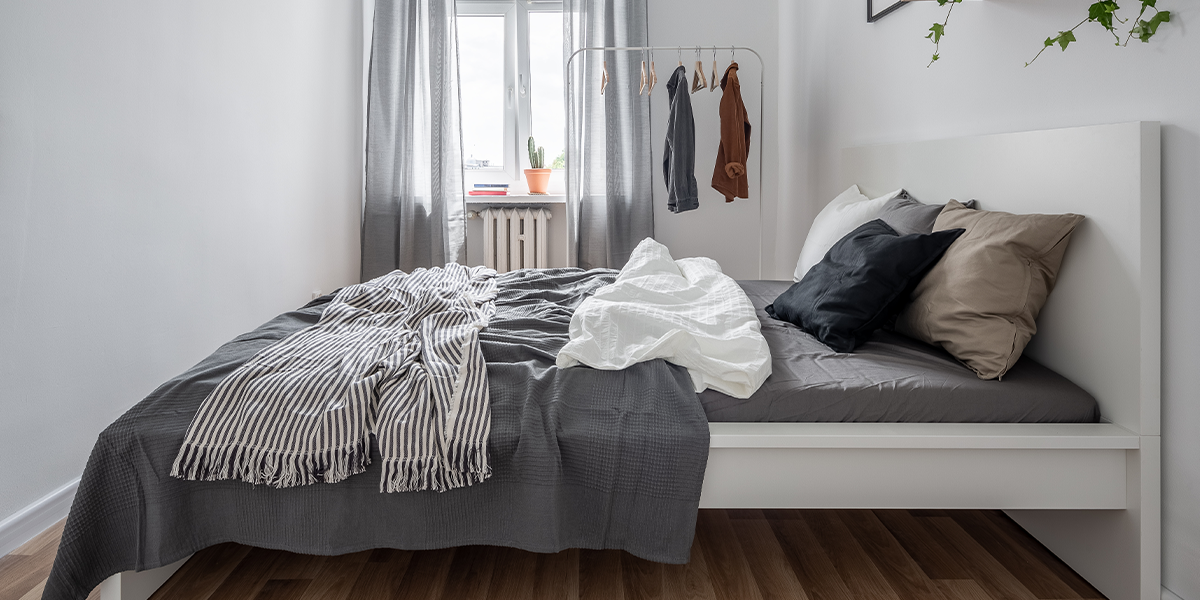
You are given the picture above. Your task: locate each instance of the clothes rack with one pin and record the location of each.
(680, 49)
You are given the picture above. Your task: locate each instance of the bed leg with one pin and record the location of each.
(1117, 551)
(137, 585)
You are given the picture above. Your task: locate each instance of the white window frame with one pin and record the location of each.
(517, 105)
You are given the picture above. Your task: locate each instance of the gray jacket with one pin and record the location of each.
(679, 153)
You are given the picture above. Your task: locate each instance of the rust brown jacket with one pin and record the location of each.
(729, 176)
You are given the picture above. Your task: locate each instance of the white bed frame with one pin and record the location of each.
(1089, 492)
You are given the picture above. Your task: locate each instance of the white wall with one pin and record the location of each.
(853, 83)
(171, 174)
(729, 233)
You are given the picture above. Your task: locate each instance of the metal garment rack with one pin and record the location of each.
(679, 49)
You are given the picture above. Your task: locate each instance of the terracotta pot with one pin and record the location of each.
(538, 180)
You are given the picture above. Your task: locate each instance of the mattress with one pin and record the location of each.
(890, 379)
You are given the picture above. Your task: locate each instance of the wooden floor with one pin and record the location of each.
(738, 554)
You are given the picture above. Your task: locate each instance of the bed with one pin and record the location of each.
(1088, 491)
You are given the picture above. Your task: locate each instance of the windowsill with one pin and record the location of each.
(522, 199)
(517, 188)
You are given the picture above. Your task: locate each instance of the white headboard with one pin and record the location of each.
(1102, 325)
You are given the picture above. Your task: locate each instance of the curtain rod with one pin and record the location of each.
(761, 113)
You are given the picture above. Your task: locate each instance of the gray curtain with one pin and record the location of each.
(609, 195)
(413, 214)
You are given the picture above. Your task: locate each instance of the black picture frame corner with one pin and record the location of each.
(873, 16)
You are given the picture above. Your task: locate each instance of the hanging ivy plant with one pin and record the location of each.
(1104, 12)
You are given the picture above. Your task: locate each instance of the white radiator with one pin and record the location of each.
(515, 238)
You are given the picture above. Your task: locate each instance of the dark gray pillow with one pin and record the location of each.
(860, 284)
(907, 215)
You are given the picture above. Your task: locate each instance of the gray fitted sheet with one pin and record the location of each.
(891, 379)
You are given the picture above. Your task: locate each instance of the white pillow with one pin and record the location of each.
(841, 216)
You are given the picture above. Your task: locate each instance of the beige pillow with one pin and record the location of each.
(981, 301)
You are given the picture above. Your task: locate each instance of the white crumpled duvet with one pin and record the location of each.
(686, 312)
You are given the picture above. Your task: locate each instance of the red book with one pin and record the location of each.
(487, 193)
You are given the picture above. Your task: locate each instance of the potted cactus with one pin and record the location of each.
(538, 177)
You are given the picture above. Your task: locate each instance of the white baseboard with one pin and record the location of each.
(36, 518)
(1169, 595)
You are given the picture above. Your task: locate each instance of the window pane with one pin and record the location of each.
(546, 99)
(481, 65)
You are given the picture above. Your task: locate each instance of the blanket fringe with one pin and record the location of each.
(420, 474)
(272, 467)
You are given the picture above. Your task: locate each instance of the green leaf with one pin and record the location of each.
(935, 58)
(1139, 31)
(936, 32)
(1158, 19)
(1049, 42)
(1102, 12)
(1064, 38)
(1149, 3)
(1144, 30)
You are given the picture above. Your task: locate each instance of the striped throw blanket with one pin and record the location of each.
(397, 356)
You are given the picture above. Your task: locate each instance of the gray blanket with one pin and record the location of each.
(581, 459)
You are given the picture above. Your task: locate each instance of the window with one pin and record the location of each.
(482, 90)
(511, 65)
(548, 118)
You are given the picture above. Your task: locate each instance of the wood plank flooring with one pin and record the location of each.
(737, 555)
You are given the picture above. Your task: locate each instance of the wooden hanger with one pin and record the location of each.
(699, 82)
(715, 80)
(653, 75)
(645, 80)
